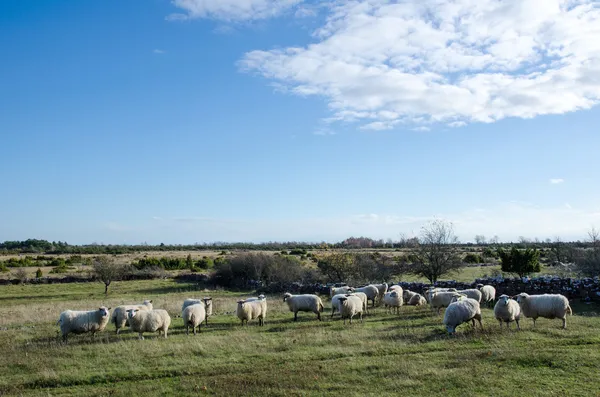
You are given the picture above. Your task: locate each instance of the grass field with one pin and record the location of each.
(387, 354)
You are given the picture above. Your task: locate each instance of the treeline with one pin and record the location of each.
(35, 246)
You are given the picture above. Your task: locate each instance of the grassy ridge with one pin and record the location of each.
(408, 354)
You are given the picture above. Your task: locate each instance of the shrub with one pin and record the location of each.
(38, 273)
(3, 267)
(297, 251)
(473, 258)
(21, 275)
(205, 263)
(521, 262)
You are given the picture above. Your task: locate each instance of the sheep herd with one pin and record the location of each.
(461, 306)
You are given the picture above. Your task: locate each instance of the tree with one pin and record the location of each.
(521, 262)
(588, 260)
(437, 252)
(107, 270)
(480, 239)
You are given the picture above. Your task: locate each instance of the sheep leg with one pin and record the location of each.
(351, 319)
(361, 320)
(518, 326)
(165, 333)
(564, 320)
(187, 329)
(118, 330)
(534, 323)
(206, 321)
(295, 316)
(332, 311)
(500, 321)
(140, 336)
(478, 318)
(319, 316)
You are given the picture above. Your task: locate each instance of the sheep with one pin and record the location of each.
(471, 293)
(79, 322)
(251, 309)
(462, 311)
(507, 310)
(382, 288)
(119, 315)
(488, 293)
(370, 290)
(141, 321)
(427, 292)
(438, 300)
(407, 294)
(193, 315)
(363, 298)
(304, 303)
(547, 305)
(255, 298)
(351, 305)
(393, 300)
(417, 300)
(206, 301)
(335, 303)
(341, 290)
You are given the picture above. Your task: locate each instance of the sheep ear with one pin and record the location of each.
(109, 308)
(150, 301)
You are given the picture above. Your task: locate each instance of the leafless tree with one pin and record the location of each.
(588, 260)
(480, 239)
(107, 270)
(437, 253)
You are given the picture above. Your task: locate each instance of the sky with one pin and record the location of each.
(191, 121)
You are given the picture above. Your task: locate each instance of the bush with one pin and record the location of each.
(38, 273)
(521, 262)
(3, 267)
(298, 251)
(205, 263)
(21, 275)
(473, 258)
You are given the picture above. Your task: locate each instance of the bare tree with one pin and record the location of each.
(107, 270)
(588, 261)
(437, 252)
(479, 239)
(494, 240)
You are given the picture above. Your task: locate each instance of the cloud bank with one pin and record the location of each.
(231, 10)
(386, 63)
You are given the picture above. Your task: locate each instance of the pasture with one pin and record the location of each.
(409, 354)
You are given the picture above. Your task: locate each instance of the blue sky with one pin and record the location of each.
(259, 120)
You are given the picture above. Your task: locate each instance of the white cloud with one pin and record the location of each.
(158, 51)
(556, 181)
(231, 10)
(441, 61)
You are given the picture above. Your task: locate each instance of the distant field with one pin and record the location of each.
(409, 354)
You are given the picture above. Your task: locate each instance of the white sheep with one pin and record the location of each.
(339, 290)
(193, 315)
(507, 310)
(206, 301)
(417, 300)
(351, 305)
(547, 305)
(439, 300)
(251, 309)
(488, 293)
(79, 322)
(335, 303)
(119, 315)
(393, 300)
(427, 292)
(370, 290)
(141, 321)
(382, 288)
(304, 303)
(471, 293)
(255, 298)
(407, 294)
(460, 312)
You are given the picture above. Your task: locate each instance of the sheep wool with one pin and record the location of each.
(340, 290)
(439, 300)
(370, 290)
(382, 288)
(80, 322)
(251, 309)
(393, 301)
(141, 321)
(417, 300)
(350, 306)
(304, 303)
(119, 315)
(206, 301)
(549, 306)
(335, 303)
(407, 294)
(488, 293)
(193, 316)
(507, 310)
(471, 293)
(461, 312)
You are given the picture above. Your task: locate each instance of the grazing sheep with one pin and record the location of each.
(119, 315)
(363, 298)
(460, 312)
(193, 315)
(417, 300)
(471, 293)
(341, 290)
(427, 292)
(382, 288)
(79, 322)
(141, 321)
(255, 298)
(370, 290)
(304, 303)
(249, 310)
(206, 301)
(351, 305)
(547, 305)
(393, 300)
(438, 300)
(335, 303)
(488, 293)
(507, 310)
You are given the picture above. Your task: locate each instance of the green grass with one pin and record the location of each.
(387, 354)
